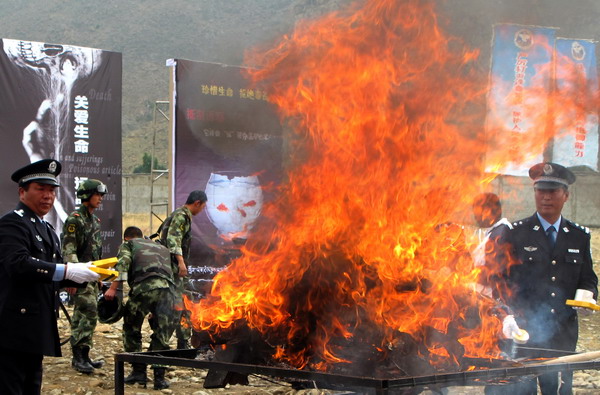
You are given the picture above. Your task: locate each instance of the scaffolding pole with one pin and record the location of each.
(160, 113)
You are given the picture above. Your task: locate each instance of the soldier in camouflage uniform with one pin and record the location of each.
(81, 242)
(146, 266)
(176, 235)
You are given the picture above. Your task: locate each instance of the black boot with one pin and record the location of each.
(78, 363)
(159, 379)
(138, 375)
(183, 344)
(85, 351)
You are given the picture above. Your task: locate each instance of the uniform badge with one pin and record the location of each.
(38, 237)
(566, 229)
(530, 248)
(537, 227)
(19, 212)
(71, 228)
(32, 219)
(574, 250)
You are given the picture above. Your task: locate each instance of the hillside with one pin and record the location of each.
(149, 32)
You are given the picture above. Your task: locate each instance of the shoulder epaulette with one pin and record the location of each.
(516, 224)
(580, 227)
(521, 222)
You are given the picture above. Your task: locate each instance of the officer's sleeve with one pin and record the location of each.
(587, 277)
(69, 239)
(16, 261)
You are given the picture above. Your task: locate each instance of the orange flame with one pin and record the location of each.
(361, 244)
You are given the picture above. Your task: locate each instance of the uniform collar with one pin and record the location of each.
(83, 210)
(546, 224)
(187, 211)
(26, 211)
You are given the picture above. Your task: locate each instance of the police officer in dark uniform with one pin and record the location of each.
(549, 261)
(31, 273)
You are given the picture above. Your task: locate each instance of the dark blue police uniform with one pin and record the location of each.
(541, 277)
(28, 295)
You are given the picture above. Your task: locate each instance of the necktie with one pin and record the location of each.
(48, 229)
(551, 234)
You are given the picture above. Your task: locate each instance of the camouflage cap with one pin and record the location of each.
(88, 187)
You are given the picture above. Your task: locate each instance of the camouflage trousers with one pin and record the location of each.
(159, 302)
(183, 325)
(85, 315)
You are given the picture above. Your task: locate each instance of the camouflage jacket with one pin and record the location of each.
(145, 265)
(81, 240)
(176, 232)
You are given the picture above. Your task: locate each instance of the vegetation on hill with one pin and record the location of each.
(147, 33)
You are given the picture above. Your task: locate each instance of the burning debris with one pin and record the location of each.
(358, 265)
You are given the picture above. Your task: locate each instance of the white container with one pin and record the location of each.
(234, 203)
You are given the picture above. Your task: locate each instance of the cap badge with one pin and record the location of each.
(52, 167)
(548, 169)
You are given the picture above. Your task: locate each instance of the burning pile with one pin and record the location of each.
(358, 262)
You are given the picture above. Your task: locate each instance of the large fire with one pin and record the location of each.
(361, 246)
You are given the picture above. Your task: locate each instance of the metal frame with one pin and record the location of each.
(185, 358)
(156, 174)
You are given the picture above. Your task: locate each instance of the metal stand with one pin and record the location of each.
(185, 358)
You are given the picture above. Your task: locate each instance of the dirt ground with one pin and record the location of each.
(61, 379)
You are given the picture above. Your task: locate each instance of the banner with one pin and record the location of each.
(520, 84)
(64, 102)
(576, 143)
(227, 142)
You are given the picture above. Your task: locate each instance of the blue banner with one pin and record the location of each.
(576, 142)
(520, 85)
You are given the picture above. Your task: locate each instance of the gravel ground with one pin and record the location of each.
(61, 379)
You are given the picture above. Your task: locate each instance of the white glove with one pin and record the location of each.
(80, 272)
(583, 295)
(511, 330)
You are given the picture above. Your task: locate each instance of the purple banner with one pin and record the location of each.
(227, 142)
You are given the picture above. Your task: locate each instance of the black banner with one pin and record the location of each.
(64, 102)
(227, 142)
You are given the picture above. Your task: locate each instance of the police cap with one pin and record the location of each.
(44, 171)
(550, 175)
